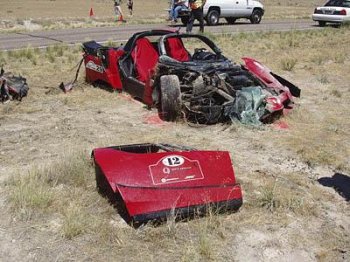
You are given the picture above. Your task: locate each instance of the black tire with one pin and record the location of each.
(170, 98)
(322, 23)
(230, 20)
(213, 17)
(256, 16)
(184, 20)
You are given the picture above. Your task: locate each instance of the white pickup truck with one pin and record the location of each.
(231, 10)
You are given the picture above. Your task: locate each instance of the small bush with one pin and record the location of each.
(288, 64)
(268, 199)
(111, 43)
(74, 223)
(205, 247)
(336, 93)
(339, 58)
(28, 194)
(323, 79)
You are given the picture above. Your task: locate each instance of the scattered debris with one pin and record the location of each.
(153, 181)
(69, 86)
(12, 87)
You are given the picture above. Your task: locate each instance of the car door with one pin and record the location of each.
(240, 7)
(226, 7)
(249, 8)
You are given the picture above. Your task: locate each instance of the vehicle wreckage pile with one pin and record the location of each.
(204, 86)
(223, 92)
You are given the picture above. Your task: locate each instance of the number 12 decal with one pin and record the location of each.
(173, 161)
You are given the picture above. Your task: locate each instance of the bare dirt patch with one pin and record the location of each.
(52, 212)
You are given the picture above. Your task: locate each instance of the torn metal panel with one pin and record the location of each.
(151, 181)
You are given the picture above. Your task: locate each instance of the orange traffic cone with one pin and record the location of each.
(91, 12)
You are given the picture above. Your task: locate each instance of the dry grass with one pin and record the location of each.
(50, 135)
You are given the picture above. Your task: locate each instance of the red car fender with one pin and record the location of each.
(264, 74)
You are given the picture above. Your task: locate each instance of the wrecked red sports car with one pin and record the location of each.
(187, 75)
(155, 181)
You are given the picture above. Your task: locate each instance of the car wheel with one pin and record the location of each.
(184, 20)
(256, 16)
(213, 17)
(170, 98)
(321, 23)
(230, 20)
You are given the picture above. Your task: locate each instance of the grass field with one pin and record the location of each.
(48, 14)
(52, 212)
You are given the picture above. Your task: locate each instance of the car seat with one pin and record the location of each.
(145, 59)
(175, 49)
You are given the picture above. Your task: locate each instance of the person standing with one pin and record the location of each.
(130, 5)
(118, 11)
(196, 13)
(178, 6)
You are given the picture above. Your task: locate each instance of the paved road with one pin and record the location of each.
(121, 33)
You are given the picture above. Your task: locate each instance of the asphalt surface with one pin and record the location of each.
(121, 33)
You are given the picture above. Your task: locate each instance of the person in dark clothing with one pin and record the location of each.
(130, 5)
(4, 92)
(196, 13)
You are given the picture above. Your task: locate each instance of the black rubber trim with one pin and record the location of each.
(188, 212)
(294, 90)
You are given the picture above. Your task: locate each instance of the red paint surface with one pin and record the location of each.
(154, 119)
(281, 125)
(144, 192)
(263, 73)
(109, 75)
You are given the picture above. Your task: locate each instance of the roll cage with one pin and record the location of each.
(164, 35)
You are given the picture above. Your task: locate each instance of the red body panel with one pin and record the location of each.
(156, 182)
(264, 74)
(95, 71)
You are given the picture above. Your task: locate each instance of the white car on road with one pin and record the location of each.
(334, 11)
(231, 10)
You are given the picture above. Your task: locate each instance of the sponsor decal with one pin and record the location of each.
(91, 65)
(175, 169)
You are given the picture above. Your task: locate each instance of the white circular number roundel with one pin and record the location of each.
(173, 161)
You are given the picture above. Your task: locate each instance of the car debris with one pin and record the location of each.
(12, 87)
(70, 85)
(154, 181)
(159, 68)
